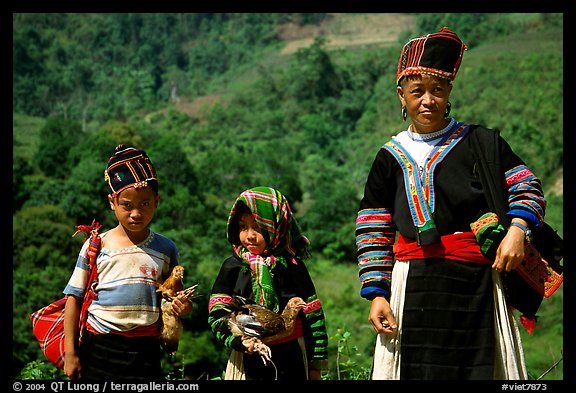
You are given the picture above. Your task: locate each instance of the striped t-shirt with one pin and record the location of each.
(126, 296)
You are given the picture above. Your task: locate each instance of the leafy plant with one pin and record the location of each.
(346, 365)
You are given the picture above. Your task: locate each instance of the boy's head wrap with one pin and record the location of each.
(130, 167)
(438, 54)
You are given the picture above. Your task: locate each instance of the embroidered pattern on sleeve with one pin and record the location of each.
(525, 195)
(375, 235)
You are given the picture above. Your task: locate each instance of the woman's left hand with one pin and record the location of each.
(510, 253)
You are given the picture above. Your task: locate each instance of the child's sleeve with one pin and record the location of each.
(77, 283)
(315, 332)
(220, 297)
(316, 322)
(217, 315)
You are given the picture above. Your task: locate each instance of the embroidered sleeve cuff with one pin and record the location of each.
(371, 292)
(532, 219)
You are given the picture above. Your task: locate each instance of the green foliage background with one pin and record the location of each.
(308, 124)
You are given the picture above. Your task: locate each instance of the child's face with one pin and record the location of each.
(249, 233)
(134, 208)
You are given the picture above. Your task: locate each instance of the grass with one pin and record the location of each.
(25, 134)
(351, 337)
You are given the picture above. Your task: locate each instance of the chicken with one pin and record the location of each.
(258, 325)
(173, 284)
(171, 323)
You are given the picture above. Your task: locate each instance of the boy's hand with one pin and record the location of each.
(181, 305)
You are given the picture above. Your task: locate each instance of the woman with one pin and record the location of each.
(436, 299)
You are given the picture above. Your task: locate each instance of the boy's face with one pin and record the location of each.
(134, 208)
(250, 236)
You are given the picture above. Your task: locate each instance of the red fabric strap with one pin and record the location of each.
(297, 332)
(458, 246)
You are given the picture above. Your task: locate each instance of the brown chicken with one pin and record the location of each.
(171, 323)
(173, 284)
(260, 325)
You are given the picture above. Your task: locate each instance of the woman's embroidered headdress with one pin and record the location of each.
(438, 54)
(130, 167)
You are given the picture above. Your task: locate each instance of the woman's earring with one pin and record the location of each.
(404, 113)
(448, 107)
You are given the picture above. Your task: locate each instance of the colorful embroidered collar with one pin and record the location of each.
(420, 186)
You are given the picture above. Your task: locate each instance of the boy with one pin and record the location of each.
(121, 338)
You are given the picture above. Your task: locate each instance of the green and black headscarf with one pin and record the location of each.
(284, 239)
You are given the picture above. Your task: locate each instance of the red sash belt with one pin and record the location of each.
(297, 332)
(459, 246)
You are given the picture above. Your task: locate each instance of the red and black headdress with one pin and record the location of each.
(438, 54)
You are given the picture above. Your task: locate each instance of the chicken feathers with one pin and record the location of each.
(173, 284)
(171, 323)
(257, 323)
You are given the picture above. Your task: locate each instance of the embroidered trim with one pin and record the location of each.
(420, 190)
(218, 299)
(486, 219)
(538, 273)
(431, 136)
(314, 305)
(517, 174)
(375, 235)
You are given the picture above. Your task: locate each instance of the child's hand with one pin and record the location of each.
(181, 305)
(72, 367)
(254, 345)
(249, 343)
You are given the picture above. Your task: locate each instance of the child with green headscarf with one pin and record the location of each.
(266, 267)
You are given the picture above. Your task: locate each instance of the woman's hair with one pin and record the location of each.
(406, 78)
(234, 231)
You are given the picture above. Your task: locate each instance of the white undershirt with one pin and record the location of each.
(419, 146)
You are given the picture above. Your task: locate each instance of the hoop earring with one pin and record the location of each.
(448, 108)
(404, 113)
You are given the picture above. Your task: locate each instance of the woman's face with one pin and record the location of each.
(425, 98)
(250, 236)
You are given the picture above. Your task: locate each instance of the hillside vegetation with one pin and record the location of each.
(225, 102)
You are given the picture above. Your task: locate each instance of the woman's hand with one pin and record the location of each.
(381, 316)
(510, 252)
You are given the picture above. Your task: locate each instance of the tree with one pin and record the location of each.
(57, 137)
(317, 75)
